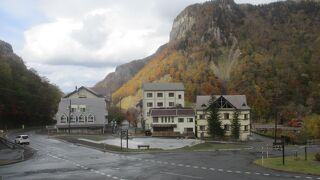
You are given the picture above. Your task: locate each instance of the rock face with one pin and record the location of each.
(5, 48)
(122, 74)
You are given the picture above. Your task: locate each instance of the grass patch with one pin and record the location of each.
(208, 146)
(292, 164)
(5, 162)
(89, 137)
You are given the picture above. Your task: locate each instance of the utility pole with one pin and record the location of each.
(69, 115)
(283, 141)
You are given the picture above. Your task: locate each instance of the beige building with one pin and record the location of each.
(160, 95)
(227, 104)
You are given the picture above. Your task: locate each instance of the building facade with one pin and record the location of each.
(160, 95)
(227, 104)
(172, 121)
(82, 111)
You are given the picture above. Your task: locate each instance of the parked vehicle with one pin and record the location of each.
(22, 139)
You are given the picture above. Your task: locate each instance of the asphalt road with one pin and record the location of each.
(59, 160)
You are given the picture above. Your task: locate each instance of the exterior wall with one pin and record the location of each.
(180, 127)
(165, 100)
(243, 122)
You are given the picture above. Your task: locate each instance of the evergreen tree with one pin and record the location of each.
(214, 123)
(235, 125)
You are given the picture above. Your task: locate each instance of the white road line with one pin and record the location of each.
(165, 162)
(195, 167)
(257, 173)
(203, 168)
(308, 177)
(108, 175)
(229, 171)
(221, 170)
(173, 164)
(181, 175)
(266, 174)
(115, 177)
(239, 172)
(102, 173)
(212, 169)
(297, 176)
(180, 164)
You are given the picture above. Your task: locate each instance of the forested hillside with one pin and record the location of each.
(271, 53)
(25, 98)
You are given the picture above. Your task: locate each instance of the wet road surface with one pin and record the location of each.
(59, 160)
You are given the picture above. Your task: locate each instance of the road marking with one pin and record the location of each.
(257, 173)
(180, 164)
(195, 167)
(239, 172)
(203, 168)
(266, 174)
(248, 172)
(114, 177)
(212, 169)
(173, 164)
(308, 177)
(181, 175)
(188, 166)
(297, 176)
(221, 170)
(229, 171)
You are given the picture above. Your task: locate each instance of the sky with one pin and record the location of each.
(78, 42)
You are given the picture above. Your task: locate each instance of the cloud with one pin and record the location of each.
(79, 42)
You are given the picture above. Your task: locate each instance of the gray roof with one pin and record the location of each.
(172, 112)
(163, 87)
(238, 101)
(82, 87)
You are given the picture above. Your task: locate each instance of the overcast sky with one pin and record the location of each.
(78, 42)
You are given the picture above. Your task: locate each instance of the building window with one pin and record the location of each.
(246, 128)
(149, 95)
(162, 119)
(172, 119)
(201, 116)
(81, 118)
(160, 104)
(171, 94)
(149, 104)
(171, 104)
(188, 130)
(90, 118)
(246, 116)
(190, 120)
(226, 115)
(72, 118)
(73, 109)
(159, 95)
(180, 120)
(227, 127)
(155, 119)
(82, 108)
(148, 113)
(63, 119)
(179, 96)
(202, 128)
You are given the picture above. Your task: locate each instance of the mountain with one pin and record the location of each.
(268, 52)
(122, 74)
(25, 97)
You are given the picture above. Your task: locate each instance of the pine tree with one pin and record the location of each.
(235, 125)
(214, 123)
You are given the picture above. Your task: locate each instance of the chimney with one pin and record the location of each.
(76, 88)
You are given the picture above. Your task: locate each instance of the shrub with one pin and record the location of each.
(317, 156)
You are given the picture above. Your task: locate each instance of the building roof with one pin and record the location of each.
(172, 112)
(163, 87)
(82, 87)
(237, 101)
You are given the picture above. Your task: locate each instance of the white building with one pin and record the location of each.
(172, 121)
(160, 95)
(82, 111)
(227, 104)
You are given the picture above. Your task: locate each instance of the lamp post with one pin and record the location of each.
(69, 115)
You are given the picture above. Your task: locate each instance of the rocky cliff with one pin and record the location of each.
(266, 52)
